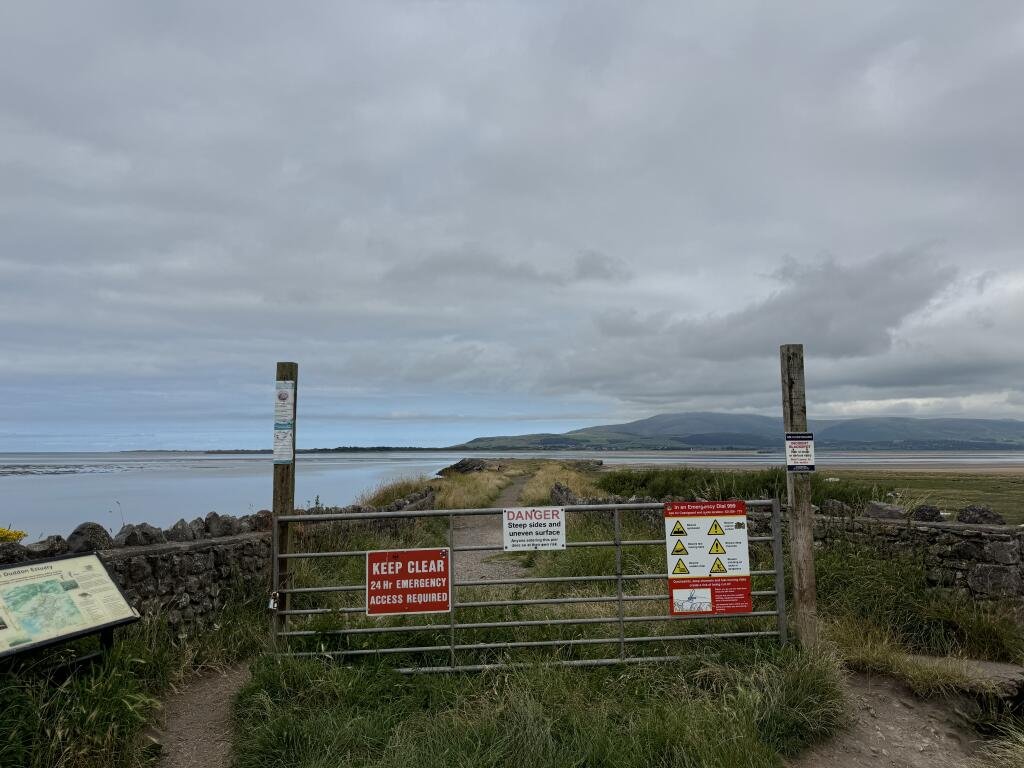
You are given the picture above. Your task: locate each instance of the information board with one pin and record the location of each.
(708, 557)
(800, 451)
(46, 601)
(401, 581)
(533, 528)
(284, 422)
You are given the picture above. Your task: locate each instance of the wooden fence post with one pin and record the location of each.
(801, 517)
(285, 406)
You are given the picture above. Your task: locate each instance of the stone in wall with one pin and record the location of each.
(980, 514)
(89, 537)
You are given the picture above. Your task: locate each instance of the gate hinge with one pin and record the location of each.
(272, 606)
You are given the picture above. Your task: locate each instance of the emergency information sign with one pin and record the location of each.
(533, 528)
(708, 557)
(800, 451)
(400, 581)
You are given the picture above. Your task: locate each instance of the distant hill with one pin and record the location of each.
(694, 431)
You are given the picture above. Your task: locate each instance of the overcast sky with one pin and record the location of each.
(494, 217)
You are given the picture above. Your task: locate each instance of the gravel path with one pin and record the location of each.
(486, 530)
(196, 730)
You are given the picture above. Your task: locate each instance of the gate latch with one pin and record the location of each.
(273, 602)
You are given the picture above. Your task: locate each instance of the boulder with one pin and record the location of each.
(882, 511)
(221, 525)
(51, 546)
(464, 467)
(198, 526)
(12, 552)
(139, 535)
(926, 513)
(836, 508)
(180, 531)
(978, 514)
(263, 520)
(89, 537)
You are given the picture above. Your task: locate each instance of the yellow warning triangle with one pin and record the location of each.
(678, 530)
(679, 549)
(716, 530)
(680, 567)
(717, 566)
(717, 548)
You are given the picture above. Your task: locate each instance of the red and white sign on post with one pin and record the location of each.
(400, 581)
(708, 557)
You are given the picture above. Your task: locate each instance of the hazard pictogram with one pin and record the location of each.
(717, 548)
(678, 529)
(716, 530)
(679, 549)
(680, 568)
(717, 566)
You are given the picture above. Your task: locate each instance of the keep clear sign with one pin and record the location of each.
(533, 528)
(708, 557)
(400, 581)
(284, 422)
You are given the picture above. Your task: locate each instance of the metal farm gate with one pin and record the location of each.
(616, 615)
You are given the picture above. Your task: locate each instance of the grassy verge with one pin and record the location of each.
(696, 482)
(94, 718)
(951, 491)
(744, 708)
(537, 491)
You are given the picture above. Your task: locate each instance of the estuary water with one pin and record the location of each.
(47, 493)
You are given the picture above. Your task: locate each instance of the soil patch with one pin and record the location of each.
(891, 728)
(196, 730)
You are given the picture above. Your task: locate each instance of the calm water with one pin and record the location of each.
(53, 492)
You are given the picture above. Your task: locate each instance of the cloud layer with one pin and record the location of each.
(463, 218)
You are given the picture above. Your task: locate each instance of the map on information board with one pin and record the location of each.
(44, 601)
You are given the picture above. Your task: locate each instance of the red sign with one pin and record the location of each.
(400, 581)
(705, 508)
(708, 557)
(722, 594)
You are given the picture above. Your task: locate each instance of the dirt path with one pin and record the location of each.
(196, 730)
(483, 530)
(891, 728)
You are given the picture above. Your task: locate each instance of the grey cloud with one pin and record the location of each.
(584, 208)
(838, 310)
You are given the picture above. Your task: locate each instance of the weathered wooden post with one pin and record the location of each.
(285, 396)
(801, 517)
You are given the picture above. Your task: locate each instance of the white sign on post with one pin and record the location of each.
(799, 451)
(533, 528)
(284, 422)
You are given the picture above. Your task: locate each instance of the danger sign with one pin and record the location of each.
(708, 557)
(408, 581)
(533, 528)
